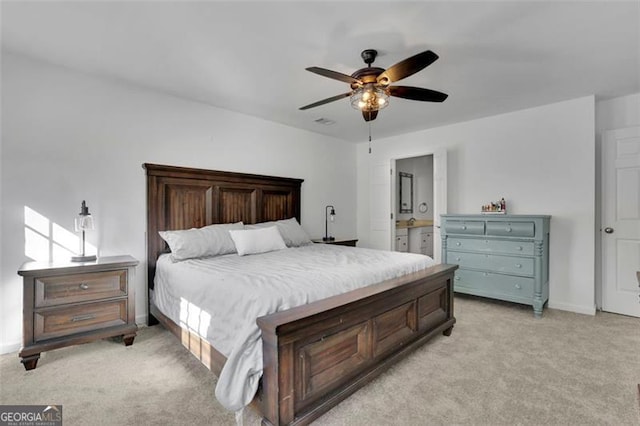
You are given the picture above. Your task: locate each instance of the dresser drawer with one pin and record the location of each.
(492, 262)
(511, 229)
(471, 227)
(486, 283)
(63, 289)
(58, 322)
(491, 246)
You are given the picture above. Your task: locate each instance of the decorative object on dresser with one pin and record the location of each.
(497, 207)
(71, 303)
(504, 257)
(83, 222)
(331, 217)
(351, 242)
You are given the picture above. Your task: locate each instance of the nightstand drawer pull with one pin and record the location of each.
(82, 317)
(84, 286)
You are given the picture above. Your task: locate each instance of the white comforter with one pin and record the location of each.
(221, 297)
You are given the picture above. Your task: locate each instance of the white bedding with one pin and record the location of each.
(221, 297)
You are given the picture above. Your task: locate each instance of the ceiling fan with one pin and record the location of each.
(370, 86)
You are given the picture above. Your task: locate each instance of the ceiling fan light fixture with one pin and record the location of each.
(369, 98)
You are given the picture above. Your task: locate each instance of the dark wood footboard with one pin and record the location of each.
(318, 354)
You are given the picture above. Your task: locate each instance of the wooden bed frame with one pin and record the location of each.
(317, 354)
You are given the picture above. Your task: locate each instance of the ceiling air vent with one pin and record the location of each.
(324, 121)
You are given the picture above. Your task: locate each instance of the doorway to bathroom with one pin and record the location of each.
(417, 200)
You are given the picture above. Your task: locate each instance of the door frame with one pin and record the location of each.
(439, 197)
(604, 211)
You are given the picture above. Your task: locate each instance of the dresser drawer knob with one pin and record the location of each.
(457, 278)
(518, 286)
(520, 248)
(518, 265)
(458, 243)
(464, 227)
(508, 229)
(84, 286)
(82, 317)
(457, 259)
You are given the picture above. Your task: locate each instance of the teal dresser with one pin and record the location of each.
(504, 257)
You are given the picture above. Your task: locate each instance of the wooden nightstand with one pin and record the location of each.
(71, 303)
(338, 242)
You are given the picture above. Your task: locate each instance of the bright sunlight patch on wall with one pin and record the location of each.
(46, 241)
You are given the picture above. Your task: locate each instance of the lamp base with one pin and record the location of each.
(89, 258)
(328, 239)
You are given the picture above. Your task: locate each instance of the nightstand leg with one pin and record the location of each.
(30, 362)
(128, 339)
(448, 331)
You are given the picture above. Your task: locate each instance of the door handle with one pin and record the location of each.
(608, 230)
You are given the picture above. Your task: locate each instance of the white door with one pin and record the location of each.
(621, 221)
(379, 206)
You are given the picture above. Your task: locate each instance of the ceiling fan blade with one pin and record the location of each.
(334, 74)
(369, 115)
(417, 94)
(326, 101)
(407, 67)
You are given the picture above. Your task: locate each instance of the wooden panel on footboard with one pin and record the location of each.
(318, 354)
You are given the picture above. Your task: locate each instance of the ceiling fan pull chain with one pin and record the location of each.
(369, 137)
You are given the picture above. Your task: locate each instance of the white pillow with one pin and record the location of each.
(254, 241)
(212, 240)
(291, 231)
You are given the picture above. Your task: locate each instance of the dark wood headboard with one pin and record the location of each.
(183, 198)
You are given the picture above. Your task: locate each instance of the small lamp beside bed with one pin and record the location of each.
(331, 216)
(84, 221)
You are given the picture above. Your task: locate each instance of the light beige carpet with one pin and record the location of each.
(499, 367)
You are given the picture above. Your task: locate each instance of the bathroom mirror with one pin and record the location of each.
(406, 192)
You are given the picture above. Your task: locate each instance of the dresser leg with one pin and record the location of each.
(538, 305)
(30, 362)
(128, 339)
(448, 331)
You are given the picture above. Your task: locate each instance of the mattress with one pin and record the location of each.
(221, 297)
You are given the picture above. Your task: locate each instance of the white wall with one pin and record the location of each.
(541, 160)
(611, 114)
(68, 137)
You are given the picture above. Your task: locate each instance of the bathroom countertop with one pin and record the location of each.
(400, 224)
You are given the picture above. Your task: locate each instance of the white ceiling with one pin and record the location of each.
(250, 57)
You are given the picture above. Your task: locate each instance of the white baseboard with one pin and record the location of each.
(11, 347)
(578, 309)
(141, 320)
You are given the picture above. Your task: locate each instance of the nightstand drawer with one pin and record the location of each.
(491, 246)
(65, 321)
(63, 289)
